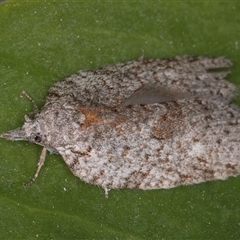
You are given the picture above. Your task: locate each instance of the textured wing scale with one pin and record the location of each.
(176, 126)
(111, 85)
(187, 144)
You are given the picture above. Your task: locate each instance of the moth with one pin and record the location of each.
(146, 124)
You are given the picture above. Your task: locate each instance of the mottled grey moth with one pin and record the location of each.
(146, 124)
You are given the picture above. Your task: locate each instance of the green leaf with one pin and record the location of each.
(41, 43)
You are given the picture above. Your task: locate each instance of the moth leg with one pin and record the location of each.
(35, 108)
(39, 166)
(106, 192)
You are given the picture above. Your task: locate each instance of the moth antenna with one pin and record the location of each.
(35, 108)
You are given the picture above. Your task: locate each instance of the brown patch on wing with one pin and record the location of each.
(167, 125)
(92, 116)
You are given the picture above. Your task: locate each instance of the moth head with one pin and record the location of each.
(30, 131)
